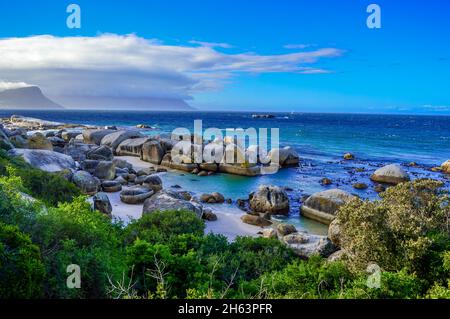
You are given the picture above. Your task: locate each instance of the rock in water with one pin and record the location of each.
(270, 199)
(323, 206)
(446, 167)
(87, 183)
(45, 160)
(168, 200)
(390, 174)
(114, 139)
(102, 204)
(287, 156)
(40, 142)
(349, 156)
(214, 198)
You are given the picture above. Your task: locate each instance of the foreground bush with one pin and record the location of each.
(21, 269)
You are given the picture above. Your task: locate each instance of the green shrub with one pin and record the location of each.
(395, 232)
(21, 269)
(160, 226)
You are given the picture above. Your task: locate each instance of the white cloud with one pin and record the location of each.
(128, 65)
(298, 46)
(212, 44)
(12, 85)
(437, 108)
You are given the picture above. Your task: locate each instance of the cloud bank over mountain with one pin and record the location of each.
(110, 65)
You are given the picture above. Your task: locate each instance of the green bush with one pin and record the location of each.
(51, 188)
(21, 269)
(160, 226)
(397, 231)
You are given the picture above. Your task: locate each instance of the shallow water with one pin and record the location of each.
(320, 139)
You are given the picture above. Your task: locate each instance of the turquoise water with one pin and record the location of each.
(320, 139)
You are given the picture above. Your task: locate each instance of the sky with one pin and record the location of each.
(258, 55)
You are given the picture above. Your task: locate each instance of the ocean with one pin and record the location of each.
(320, 139)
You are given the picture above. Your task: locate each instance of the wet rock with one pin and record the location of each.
(270, 199)
(445, 167)
(379, 188)
(286, 229)
(326, 181)
(135, 195)
(349, 156)
(390, 174)
(87, 183)
(203, 173)
(255, 220)
(360, 186)
(322, 206)
(209, 215)
(213, 198)
(45, 160)
(102, 204)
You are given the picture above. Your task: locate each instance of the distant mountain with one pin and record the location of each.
(124, 103)
(30, 97)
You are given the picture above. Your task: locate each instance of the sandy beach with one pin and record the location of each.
(228, 221)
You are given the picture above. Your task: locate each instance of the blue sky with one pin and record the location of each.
(404, 67)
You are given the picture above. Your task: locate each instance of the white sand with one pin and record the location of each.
(228, 221)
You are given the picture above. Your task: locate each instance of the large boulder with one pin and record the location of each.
(111, 186)
(17, 140)
(334, 233)
(121, 163)
(169, 200)
(101, 153)
(287, 156)
(68, 135)
(114, 139)
(390, 174)
(102, 204)
(323, 206)
(285, 229)
(132, 146)
(446, 167)
(152, 152)
(95, 136)
(135, 195)
(255, 220)
(305, 245)
(213, 198)
(5, 143)
(40, 142)
(87, 183)
(153, 182)
(270, 199)
(45, 160)
(77, 151)
(105, 170)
